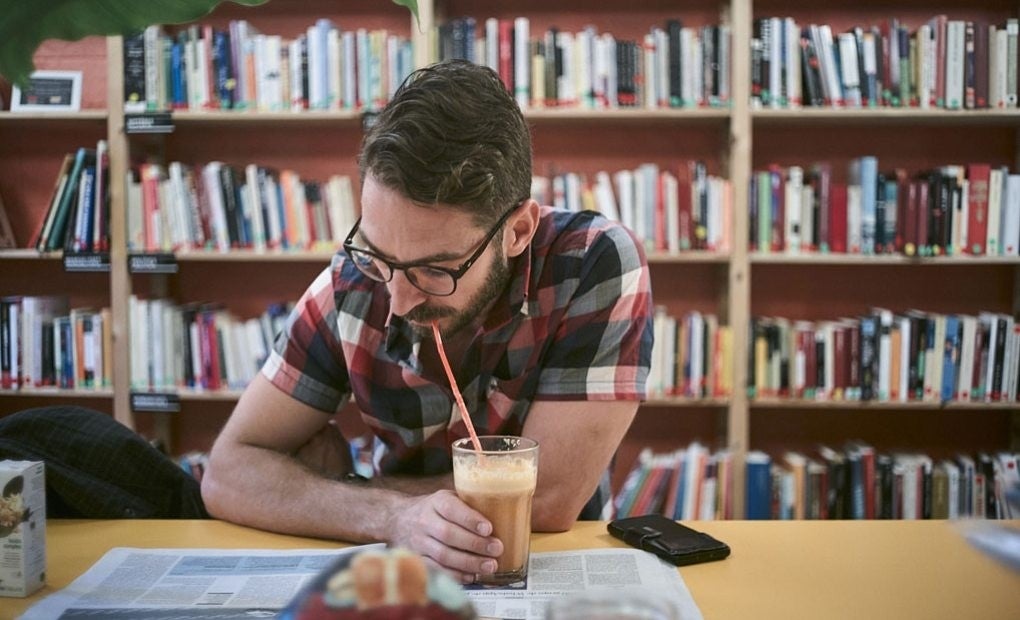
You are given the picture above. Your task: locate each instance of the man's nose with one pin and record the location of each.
(404, 296)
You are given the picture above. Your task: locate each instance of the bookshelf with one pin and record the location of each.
(733, 141)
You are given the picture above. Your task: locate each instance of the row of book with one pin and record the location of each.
(198, 346)
(887, 357)
(692, 356)
(672, 209)
(78, 217)
(855, 482)
(671, 66)
(971, 209)
(691, 483)
(219, 206)
(946, 63)
(859, 482)
(205, 68)
(43, 343)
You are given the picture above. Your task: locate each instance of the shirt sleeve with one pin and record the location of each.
(602, 346)
(307, 361)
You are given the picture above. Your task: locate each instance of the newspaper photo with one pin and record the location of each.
(169, 584)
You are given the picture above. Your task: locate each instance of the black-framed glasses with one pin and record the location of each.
(430, 279)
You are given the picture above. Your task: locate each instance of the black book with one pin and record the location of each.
(926, 490)
(188, 313)
(5, 344)
(810, 72)
(232, 206)
(134, 73)
(673, 28)
(986, 466)
(763, 31)
(549, 60)
(869, 356)
(881, 235)
(625, 72)
(1000, 356)
(46, 343)
(752, 216)
(884, 486)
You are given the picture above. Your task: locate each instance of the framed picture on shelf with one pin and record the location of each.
(48, 91)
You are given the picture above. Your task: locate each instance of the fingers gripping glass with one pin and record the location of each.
(430, 279)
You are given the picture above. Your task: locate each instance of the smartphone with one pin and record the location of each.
(675, 543)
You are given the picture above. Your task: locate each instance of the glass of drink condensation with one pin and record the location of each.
(499, 482)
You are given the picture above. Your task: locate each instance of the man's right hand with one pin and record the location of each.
(447, 532)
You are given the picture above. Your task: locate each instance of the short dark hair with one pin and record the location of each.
(452, 134)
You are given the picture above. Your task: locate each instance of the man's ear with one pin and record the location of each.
(521, 228)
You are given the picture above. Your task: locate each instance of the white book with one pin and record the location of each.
(251, 199)
(791, 62)
(904, 378)
(998, 45)
(153, 68)
(849, 71)
(1012, 33)
(830, 72)
(671, 200)
(657, 369)
(693, 473)
(688, 43)
(349, 69)
(966, 375)
(794, 189)
(661, 68)
(297, 95)
(776, 53)
(925, 55)
(718, 190)
(996, 198)
(625, 192)
(993, 328)
(885, 326)
(177, 207)
(853, 219)
(334, 84)
(604, 197)
(955, 31)
(272, 78)
(522, 60)
(214, 200)
(1009, 238)
(275, 225)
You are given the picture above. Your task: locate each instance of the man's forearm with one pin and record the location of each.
(414, 485)
(265, 489)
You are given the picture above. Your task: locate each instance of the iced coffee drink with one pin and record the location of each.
(499, 482)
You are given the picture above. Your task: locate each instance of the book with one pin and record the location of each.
(7, 240)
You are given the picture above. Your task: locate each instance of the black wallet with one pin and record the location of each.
(675, 543)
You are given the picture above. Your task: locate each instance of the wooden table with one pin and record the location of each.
(778, 569)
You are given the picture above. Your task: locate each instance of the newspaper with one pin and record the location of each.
(165, 584)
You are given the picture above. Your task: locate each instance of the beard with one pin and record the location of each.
(421, 317)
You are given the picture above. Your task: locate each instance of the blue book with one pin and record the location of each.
(951, 361)
(758, 492)
(223, 67)
(869, 206)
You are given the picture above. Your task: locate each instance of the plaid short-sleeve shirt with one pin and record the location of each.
(575, 323)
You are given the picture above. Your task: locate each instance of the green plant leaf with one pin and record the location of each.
(25, 24)
(412, 5)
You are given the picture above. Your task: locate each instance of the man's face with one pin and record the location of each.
(401, 231)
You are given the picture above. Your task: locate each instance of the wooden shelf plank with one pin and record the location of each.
(859, 260)
(795, 403)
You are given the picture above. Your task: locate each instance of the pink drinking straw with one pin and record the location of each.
(456, 391)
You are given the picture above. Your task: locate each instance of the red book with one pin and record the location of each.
(837, 218)
(977, 208)
(660, 213)
(686, 217)
(840, 360)
(506, 53)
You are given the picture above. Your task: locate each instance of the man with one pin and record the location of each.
(545, 316)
